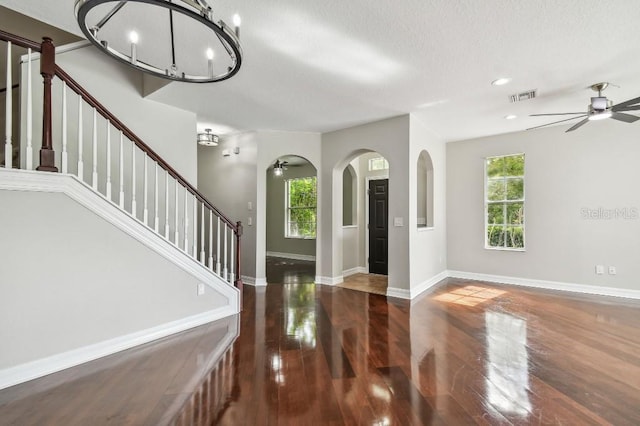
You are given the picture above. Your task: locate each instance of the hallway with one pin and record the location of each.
(468, 353)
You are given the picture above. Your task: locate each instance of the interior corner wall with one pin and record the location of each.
(581, 205)
(276, 210)
(272, 145)
(428, 246)
(230, 184)
(390, 138)
(169, 131)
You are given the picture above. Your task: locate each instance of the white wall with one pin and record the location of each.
(276, 200)
(66, 284)
(390, 138)
(428, 246)
(591, 168)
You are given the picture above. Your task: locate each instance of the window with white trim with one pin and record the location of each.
(301, 200)
(504, 202)
(378, 163)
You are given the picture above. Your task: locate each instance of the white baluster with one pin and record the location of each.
(80, 134)
(195, 228)
(30, 116)
(94, 179)
(218, 249)
(156, 219)
(121, 199)
(176, 239)
(8, 146)
(166, 206)
(145, 215)
(231, 264)
(202, 254)
(226, 270)
(108, 160)
(65, 158)
(210, 263)
(134, 210)
(186, 221)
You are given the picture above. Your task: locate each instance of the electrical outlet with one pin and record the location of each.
(250, 221)
(599, 269)
(200, 289)
(612, 270)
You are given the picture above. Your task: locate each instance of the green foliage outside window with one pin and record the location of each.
(301, 208)
(504, 200)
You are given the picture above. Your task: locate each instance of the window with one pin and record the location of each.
(504, 202)
(378, 163)
(301, 201)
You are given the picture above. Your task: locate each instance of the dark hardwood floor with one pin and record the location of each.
(467, 353)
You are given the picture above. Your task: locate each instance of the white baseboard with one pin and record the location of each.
(548, 285)
(428, 284)
(293, 256)
(401, 293)
(353, 271)
(329, 280)
(83, 194)
(52, 364)
(253, 281)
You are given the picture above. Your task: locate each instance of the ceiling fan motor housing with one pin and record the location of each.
(599, 104)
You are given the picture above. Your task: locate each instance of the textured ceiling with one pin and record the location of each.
(324, 65)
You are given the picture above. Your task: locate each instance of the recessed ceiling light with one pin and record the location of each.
(501, 81)
(510, 117)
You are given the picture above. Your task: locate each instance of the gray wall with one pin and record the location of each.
(276, 241)
(591, 168)
(66, 284)
(230, 184)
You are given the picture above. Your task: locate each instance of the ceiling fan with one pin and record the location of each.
(279, 167)
(600, 108)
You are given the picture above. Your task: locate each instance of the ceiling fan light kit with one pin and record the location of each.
(600, 108)
(172, 39)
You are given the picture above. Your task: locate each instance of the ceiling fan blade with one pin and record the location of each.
(627, 118)
(559, 113)
(627, 108)
(575, 126)
(556, 122)
(625, 104)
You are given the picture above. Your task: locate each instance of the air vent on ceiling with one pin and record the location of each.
(518, 97)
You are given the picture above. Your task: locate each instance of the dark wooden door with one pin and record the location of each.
(378, 226)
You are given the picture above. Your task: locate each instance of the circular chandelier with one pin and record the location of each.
(207, 138)
(173, 39)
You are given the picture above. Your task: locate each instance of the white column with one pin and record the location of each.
(134, 206)
(176, 239)
(195, 228)
(156, 219)
(231, 264)
(8, 146)
(30, 117)
(108, 160)
(186, 221)
(145, 181)
(166, 206)
(94, 179)
(65, 158)
(80, 134)
(225, 270)
(121, 166)
(202, 253)
(210, 263)
(218, 249)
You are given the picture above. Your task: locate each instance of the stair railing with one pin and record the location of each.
(170, 205)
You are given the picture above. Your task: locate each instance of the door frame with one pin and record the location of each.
(366, 216)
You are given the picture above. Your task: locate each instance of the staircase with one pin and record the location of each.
(98, 162)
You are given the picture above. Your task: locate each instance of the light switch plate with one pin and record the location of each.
(398, 221)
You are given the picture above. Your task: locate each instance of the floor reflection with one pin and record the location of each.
(507, 365)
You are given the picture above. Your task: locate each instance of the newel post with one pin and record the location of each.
(47, 70)
(238, 282)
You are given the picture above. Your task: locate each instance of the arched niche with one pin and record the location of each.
(424, 187)
(349, 196)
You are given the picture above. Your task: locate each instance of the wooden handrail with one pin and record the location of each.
(20, 41)
(78, 89)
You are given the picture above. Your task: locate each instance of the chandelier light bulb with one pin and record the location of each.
(210, 54)
(237, 20)
(133, 37)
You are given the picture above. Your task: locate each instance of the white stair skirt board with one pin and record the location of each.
(25, 180)
(329, 280)
(353, 271)
(293, 256)
(253, 281)
(42, 367)
(549, 285)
